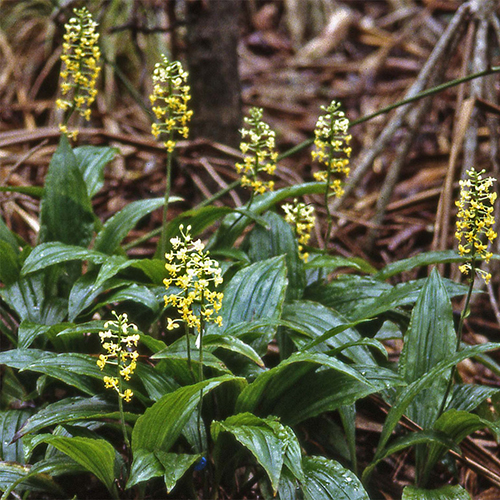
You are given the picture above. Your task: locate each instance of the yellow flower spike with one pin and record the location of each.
(257, 145)
(302, 219)
(119, 343)
(170, 94)
(474, 221)
(332, 150)
(80, 61)
(194, 272)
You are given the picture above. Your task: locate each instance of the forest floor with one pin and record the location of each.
(365, 56)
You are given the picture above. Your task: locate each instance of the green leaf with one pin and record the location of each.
(95, 455)
(68, 410)
(332, 262)
(9, 264)
(66, 212)
(420, 260)
(327, 480)
(162, 423)
(7, 236)
(467, 397)
(175, 465)
(71, 368)
(135, 293)
(35, 191)
(233, 225)
(347, 293)
(302, 386)
(16, 477)
(49, 254)
(444, 493)
(10, 422)
(263, 437)
(34, 299)
(403, 294)
(430, 338)
(255, 292)
(409, 440)
(318, 321)
(409, 393)
(144, 467)
(278, 239)
(116, 228)
(91, 161)
(457, 425)
(230, 343)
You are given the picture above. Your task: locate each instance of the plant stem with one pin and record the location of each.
(163, 239)
(463, 315)
(120, 388)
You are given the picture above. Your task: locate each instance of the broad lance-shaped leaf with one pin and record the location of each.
(304, 385)
(457, 425)
(255, 292)
(447, 492)
(161, 424)
(116, 228)
(422, 259)
(95, 455)
(10, 422)
(317, 320)
(234, 224)
(430, 338)
(266, 438)
(408, 394)
(278, 239)
(414, 439)
(91, 161)
(66, 212)
(49, 254)
(16, 477)
(327, 480)
(175, 465)
(69, 410)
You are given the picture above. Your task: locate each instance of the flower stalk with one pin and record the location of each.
(80, 59)
(331, 140)
(119, 340)
(169, 100)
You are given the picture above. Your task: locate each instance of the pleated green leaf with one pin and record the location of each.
(255, 292)
(317, 320)
(91, 161)
(430, 338)
(409, 393)
(409, 440)
(10, 422)
(17, 477)
(66, 212)
(265, 438)
(457, 425)
(447, 492)
(49, 254)
(278, 239)
(69, 410)
(297, 389)
(118, 226)
(332, 262)
(9, 264)
(144, 467)
(327, 480)
(95, 455)
(175, 465)
(160, 426)
(233, 225)
(419, 260)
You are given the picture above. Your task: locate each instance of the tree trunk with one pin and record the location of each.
(213, 32)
